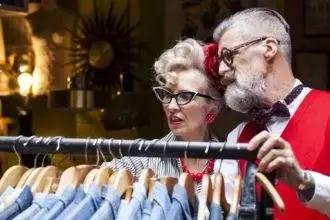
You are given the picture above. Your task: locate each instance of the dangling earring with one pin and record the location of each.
(210, 118)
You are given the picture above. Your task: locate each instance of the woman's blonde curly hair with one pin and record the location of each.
(185, 55)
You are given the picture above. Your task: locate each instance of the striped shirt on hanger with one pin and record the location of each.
(172, 167)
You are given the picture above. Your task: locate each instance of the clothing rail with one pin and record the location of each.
(121, 147)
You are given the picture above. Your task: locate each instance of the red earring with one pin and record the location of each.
(210, 118)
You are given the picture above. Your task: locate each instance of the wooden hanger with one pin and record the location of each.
(11, 177)
(219, 195)
(233, 211)
(112, 178)
(39, 184)
(23, 179)
(51, 185)
(151, 184)
(123, 180)
(145, 175)
(84, 169)
(90, 177)
(69, 178)
(33, 176)
(188, 183)
(270, 189)
(128, 194)
(102, 176)
(169, 183)
(206, 197)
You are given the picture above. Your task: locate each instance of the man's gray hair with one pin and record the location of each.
(258, 22)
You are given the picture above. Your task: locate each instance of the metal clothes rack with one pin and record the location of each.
(118, 148)
(121, 147)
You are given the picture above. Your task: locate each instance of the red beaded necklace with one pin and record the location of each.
(197, 177)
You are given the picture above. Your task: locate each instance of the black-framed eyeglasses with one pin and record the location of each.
(182, 98)
(227, 55)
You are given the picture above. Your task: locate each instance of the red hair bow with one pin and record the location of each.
(211, 64)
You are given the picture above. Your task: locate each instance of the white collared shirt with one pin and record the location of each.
(321, 198)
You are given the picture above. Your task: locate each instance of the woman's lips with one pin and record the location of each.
(174, 120)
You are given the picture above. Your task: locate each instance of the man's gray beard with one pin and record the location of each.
(245, 93)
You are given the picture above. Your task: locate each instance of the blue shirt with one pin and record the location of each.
(161, 202)
(147, 207)
(50, 211)
(216, 212)
(180, 208)
(38, 203)
(135, 207)
(88, 206)
(22, 202)
(79, 196)
(110, 205)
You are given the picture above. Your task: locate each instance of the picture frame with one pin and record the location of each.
(316, 17)
(312, 68)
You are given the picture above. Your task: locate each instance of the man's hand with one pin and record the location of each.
(275, 154)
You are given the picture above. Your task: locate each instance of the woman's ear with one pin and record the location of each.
(271, 48)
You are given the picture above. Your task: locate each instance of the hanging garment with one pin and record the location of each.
(135, 207)
(80, 195)
(146, 209)
(161, 202)
(88, 206)
(109, 207)
(40, 200)
(62, 202)
(180, 208)
(22, 202)
(9, 190)
(216, 212)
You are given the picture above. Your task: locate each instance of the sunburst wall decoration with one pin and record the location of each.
(103, 48)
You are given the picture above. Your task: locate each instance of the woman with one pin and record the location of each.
(191, 104)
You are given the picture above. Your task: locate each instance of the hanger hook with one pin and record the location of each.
(97, 152)
(35, 160)
(222, 146)
(164, 150)
(15, 150)
(186, 150)
(207, 147)
(28, 141)
(119, 150)
(141, 144)
(110, 150)
(58, 147)
(43, 160)
(150, 143)
(101, 140)
(86, 146)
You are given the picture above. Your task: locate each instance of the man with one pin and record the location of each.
(255, 68)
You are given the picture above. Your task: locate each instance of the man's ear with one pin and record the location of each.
(271, 48)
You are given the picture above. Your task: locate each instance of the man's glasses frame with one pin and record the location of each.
(227, 55)
(177, 96)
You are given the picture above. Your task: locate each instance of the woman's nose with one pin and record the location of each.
(173, 104)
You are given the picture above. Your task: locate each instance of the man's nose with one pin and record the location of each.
(223, 69)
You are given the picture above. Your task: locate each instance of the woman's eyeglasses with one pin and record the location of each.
(182, 98)
(227, 55)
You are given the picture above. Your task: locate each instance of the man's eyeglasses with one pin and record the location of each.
(182, 98)
(227, 55)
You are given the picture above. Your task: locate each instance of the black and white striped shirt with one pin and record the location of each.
(172, 167)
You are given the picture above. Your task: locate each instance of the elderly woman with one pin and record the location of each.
(191, 104)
